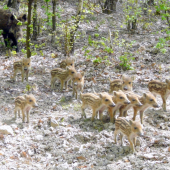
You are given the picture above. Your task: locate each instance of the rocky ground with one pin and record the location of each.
(57, 137)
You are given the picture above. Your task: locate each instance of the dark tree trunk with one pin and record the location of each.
(35, 27)
(150, 2)
(14, 4)
(39, 25)
(76, 24)
(109, 6)
(167, 18)
(28, 28)
(134, 26)
(54, 20)
(145, 6)
(54, 15)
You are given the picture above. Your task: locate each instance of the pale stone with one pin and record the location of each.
(6, 130)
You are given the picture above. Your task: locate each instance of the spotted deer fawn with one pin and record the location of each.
(63, 75)
(119, 98)
(24, 104)
(134, 101)
(130, 128)
(22, 66)
(163, 89)
(78, 83)
(147, 100)
(96, 102)
(67, 62)
(125, 84)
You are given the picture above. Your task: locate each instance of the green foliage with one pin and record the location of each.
(27, 88)
(5, 7)
(161, 44)
(48, 20)
(62, 119)
(96, 44)
(63, 99)
(132, 10)
(125, 62)
(77, 107)
(1, 31)
(163, 8)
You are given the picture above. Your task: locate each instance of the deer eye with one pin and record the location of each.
(129, 82)
(106, 100)
(121, 97)
(30, 100)
(133, 100)
(151, 100)
(135, 127)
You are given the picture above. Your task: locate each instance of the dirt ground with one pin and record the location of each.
(77, 143)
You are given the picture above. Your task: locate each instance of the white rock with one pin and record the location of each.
(1, 153)
(6, 130)
(53, 123)
(47, 132)
(30, 152)
(110, 157)
(51, 128)
(38, 137)
(64, 166)
(14, 126)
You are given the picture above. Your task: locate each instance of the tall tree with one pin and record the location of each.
(14, 4)
(76, 24)
(35, 27)
(108, 6)
(28, 28)
(54, 2)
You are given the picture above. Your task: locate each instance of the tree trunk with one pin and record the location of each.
(167, 18)
(109, 6)
(145, 6)
(28, 28)
(150, 2)
(134, 24)
(54, 15)
(54, 20)
(14, 4)
(39, 25)
(35, 27)
(72, 33)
